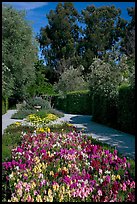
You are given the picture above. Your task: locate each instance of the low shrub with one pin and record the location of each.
(30, 103)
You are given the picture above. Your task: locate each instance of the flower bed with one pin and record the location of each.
(57, 167)
(36, 120)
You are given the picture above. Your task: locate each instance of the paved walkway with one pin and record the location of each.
(124, 142)
(6, 119)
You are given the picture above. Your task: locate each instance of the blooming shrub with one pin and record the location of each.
(38, 121)
(57, 167)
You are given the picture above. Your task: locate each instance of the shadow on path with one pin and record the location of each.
(124, 142)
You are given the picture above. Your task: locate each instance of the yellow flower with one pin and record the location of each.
(14, 199)
(61, 198)
(118, 177)
(49, 192)
(44, 166)
(33, 185)
(48, 130)
(63, 189)
(17, 123)
(69, 124)
(55, 187)
(113, 177)
(48, 153)
(59, 169)
(51, 173)
(38, 198)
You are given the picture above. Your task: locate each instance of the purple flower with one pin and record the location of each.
(108, 178)
(19, 149)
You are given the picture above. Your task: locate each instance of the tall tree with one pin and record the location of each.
(100, 32)
(19, 50)
(58, 40)
(128, 40)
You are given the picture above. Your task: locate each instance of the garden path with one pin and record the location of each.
(124, 142)
(6, 119)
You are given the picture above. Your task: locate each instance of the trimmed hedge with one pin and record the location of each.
(4, 105)
(104, 110)
(76, 102)
(126, 109)
(118, 113)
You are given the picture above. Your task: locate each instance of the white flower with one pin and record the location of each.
(17, 167)
(11, 175)
(100, 171)
(107, 172)
(101, 180)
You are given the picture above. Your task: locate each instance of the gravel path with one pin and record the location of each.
(124, 142)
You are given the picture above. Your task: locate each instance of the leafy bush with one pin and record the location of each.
(71, 80)
(126, 109)
(37, 101)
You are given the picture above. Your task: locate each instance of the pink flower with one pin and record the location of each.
(124, 187)
(132, 184)
(99, 192)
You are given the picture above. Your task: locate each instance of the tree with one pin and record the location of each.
(19, 50)
(41, 84)
(128, 40)
(100, 32)
(59, 38)
(71, 80)
(106, 77)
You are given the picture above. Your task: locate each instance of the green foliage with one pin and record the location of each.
(78, 102)
(7, 81)
(61, 33)
(128, 38)
(21, 114)
(41, 84)
(11, 139)
(71, 80)
(37, 101)
(4, 105)
(100, 33)
(18, 51)
(126, 108)
(104, 110)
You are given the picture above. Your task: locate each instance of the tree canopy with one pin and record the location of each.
(19, 50)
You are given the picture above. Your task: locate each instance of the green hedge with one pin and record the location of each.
(126, 109)
(4, 105)
(118, 113)
(76, 102)
(104, 110)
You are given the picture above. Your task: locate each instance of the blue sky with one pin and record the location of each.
(36, 11)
